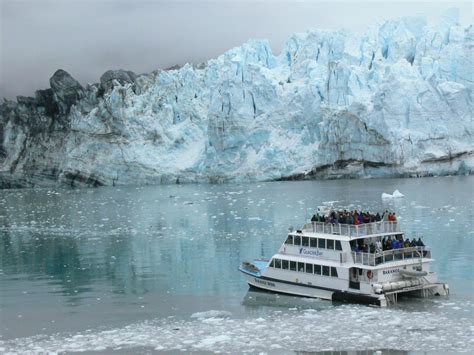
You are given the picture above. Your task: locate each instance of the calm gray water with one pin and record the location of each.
(155, 268)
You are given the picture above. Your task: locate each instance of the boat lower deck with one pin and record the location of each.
(311, 291)
(384, 295)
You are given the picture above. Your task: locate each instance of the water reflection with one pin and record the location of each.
(256, 299)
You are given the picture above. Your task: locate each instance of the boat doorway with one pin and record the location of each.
(354, 277)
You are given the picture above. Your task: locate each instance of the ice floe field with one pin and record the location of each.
(145, 269)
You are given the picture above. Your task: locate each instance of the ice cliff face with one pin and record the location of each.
(396, 101)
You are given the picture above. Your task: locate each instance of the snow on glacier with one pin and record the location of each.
(396, 100)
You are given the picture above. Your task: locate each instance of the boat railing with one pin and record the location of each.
(351, 230)
(373, 259)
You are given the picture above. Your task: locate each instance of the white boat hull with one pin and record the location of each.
(291, 288)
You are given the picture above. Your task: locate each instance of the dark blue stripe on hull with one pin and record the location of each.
(340, 296)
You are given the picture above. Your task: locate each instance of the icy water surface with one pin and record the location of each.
(155, 268)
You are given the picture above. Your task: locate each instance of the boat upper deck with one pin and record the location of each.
(352, 231)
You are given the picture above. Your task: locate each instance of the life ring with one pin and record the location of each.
(370, 274)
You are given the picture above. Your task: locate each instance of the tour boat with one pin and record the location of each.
(322, 261)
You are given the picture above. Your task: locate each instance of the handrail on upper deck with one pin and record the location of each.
(373, 259)
(352, 230)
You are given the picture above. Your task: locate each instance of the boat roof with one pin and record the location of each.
(347, 232)
(340, 237)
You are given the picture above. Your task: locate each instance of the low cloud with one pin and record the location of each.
(87, 37)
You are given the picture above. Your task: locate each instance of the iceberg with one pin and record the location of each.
(394, 101)
(396, 194)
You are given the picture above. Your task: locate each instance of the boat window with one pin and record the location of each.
(309, 268)
(284, 264)
(321, 243)
(272, 263)
(326, 270)
(293, 265)
(333, 271)
(301, 267)
(338, 245)
(289, 240)
(297, 240)
(278, 263)
(305, 241)
(330, 244)
(313, 242)
(317, 269)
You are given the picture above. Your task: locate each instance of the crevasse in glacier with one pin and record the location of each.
(394, 101)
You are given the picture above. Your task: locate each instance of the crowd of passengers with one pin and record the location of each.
(353, 217)
(387, 243)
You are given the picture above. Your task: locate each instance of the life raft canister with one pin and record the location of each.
(370, 274)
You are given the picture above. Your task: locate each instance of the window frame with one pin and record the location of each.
(303, 238)
(299, 239)
(327, 244)
(315, 267)
(323, 240)
(292, 265)
(300, 266)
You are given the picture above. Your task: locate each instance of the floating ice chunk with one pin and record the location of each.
(211, 314)
(212, 340)
(397, 194)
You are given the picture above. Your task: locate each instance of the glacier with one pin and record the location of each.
(394, 101)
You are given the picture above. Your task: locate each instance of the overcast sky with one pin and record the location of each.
(88, 37)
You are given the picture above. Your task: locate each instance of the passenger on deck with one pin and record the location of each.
(350, 218)
(419, 243)
(378, 246)
(407, 243)
(394, 243)
(356, 219)
(400, 244)
(372, 248)
(413, 242)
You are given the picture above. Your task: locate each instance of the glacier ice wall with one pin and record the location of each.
(395, 101)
